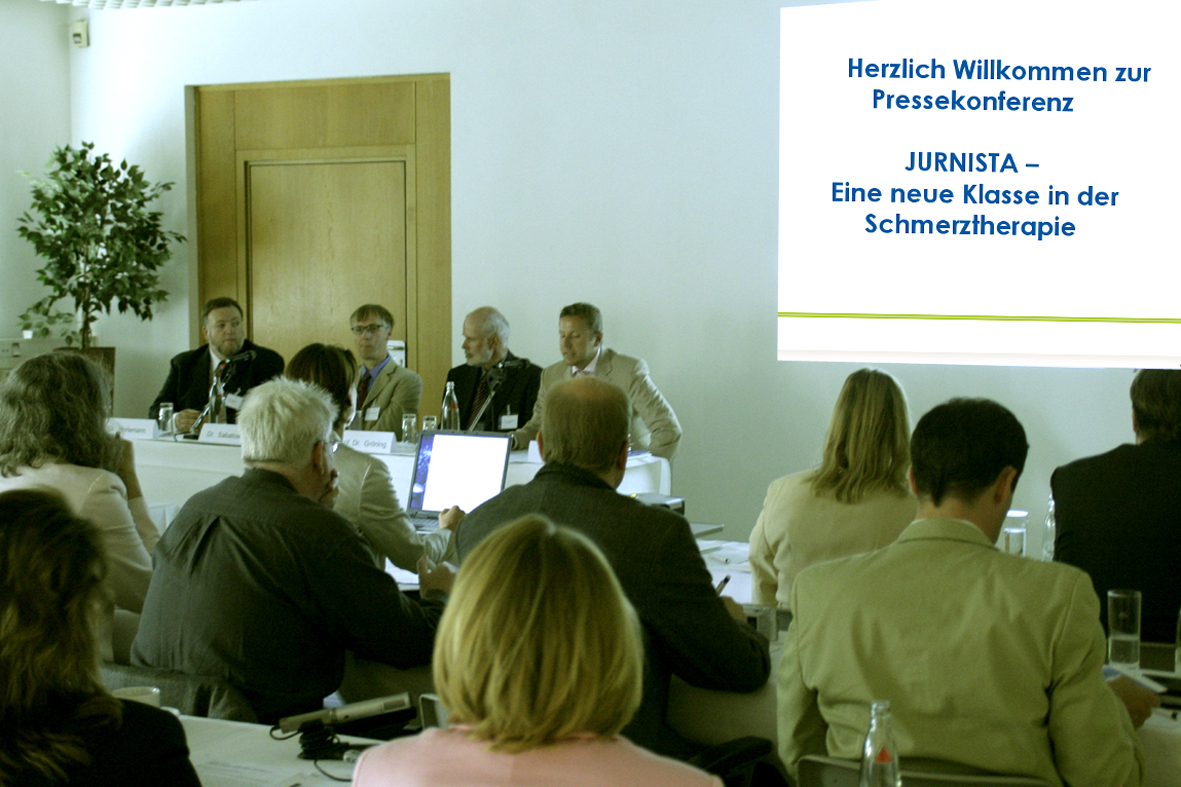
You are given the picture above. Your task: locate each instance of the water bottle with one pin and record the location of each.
(879, 755)
(450, 415)
(1048, 532)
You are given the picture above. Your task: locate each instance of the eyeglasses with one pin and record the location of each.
(372, 330)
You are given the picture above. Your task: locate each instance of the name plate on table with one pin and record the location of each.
(133, 428)
(371, 442)
(220, 434)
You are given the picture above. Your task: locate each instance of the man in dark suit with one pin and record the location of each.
(491, 371)
(1118, 514)
(690, 630)
(243, 363)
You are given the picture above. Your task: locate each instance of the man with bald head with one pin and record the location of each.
(690, 631)
(491, 375)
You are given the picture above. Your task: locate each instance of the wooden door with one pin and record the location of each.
(313, 198)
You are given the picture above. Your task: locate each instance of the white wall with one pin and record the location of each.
(35, 102)
(618, 152)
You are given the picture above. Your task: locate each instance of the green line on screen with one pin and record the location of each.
(980, 317)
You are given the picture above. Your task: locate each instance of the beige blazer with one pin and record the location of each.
(654, 424)
(989, 660)
(127, 530)
(395, 391)
(798, 528)
(367, 499)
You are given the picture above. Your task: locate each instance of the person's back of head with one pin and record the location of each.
(867, 446)
(282, 420)
(538, 642)
(54, 407)
(330, 367)
(1156, 405)
(585, 424)
(960, 448)
(51, 571)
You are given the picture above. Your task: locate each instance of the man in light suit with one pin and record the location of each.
(386, 390)
(992, 662)
(654, 425)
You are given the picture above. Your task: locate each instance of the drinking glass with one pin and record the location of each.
(164, 418)
(1013, 539)
(1123, 628)
(409, 428)
(430, 422)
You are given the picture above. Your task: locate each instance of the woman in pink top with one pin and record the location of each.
(538, 660)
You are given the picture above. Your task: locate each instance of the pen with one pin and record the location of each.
(723, 583)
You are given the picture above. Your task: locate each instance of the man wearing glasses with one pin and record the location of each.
(385, 390)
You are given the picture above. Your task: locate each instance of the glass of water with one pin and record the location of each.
(164, 418)
(430, 422)
(1123, 628)
(409, 428)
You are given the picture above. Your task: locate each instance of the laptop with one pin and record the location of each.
(454, 468)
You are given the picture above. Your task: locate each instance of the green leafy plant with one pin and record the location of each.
(102, 245)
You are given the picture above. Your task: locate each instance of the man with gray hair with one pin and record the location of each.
(690, 631)
(496, 389)
(259, 582)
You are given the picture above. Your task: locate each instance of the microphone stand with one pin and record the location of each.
(496, 376)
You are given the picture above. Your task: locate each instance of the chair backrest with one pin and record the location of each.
(192, 695)
(817, 771)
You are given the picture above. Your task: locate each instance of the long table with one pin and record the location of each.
(172, 471)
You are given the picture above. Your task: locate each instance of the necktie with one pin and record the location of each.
(362, 392)
(481, 396)
(221, 370)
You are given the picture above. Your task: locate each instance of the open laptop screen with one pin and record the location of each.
(457, 469)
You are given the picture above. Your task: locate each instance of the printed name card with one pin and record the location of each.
(371, 442)
(133, 428)
(220, 434)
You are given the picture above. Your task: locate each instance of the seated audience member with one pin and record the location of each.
(856, 501)
(242, 363)
(989, 661)
(690, 631)
(386, 391)
(257, 581)
(539, 662)
(53, 434)
(59, 724)
(492, 370)
(652, 422)
(366, 494)
(1119, 513)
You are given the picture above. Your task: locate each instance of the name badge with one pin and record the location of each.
(220, 434)
(133, 428)
(370, 442)
(372, 413)
(233, 401)
(508, 421)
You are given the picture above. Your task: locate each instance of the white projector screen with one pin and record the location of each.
(980, 182)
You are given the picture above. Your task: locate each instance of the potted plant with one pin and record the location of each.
(102, 245)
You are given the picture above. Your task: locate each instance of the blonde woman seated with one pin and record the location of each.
(58, 725)
(53, 433)
(858, 500)
(538, 660)
(366, 494)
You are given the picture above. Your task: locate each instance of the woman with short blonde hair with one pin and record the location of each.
(539, 662)
(857, 500)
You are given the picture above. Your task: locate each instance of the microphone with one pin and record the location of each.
(246, 356)
(357, 710)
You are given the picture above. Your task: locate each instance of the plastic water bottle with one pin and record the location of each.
(1049, 530)
(879, 755)
(450, 415)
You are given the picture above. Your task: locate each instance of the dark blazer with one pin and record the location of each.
(187, 386)
(148, 748)
(688, 631)
(518, 392)
(1118, 518)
